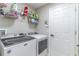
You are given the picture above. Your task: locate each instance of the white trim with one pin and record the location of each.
(76, 28)
(49, 38)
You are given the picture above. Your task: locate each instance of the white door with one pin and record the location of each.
(62, 26)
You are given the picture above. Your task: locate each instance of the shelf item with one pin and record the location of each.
(33, 15)
(1, 12)
(14, 7)
(33, 23)
(2, 5)
(32, 20)
(12, 15)
(26, 10)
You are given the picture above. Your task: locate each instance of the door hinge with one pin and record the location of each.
(75, 32)
(75, 54)
(75, 9)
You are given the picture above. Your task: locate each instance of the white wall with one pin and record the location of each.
(15, 26)
(43, 15)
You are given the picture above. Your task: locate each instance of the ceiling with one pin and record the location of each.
(36, 5)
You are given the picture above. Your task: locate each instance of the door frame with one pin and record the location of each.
(76, 31)
(76, 28)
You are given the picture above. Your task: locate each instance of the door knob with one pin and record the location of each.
(51, 35)
(9, 51)
(25, 44)
(77, 45)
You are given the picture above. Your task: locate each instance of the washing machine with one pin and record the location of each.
(42, 44)
(17, 46)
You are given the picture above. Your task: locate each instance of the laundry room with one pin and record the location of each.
(39, 29)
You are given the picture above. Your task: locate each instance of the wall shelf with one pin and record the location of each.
(11, 17)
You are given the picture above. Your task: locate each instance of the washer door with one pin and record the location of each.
(42, 46)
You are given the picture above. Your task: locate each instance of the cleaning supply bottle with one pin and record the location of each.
(26, 10)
